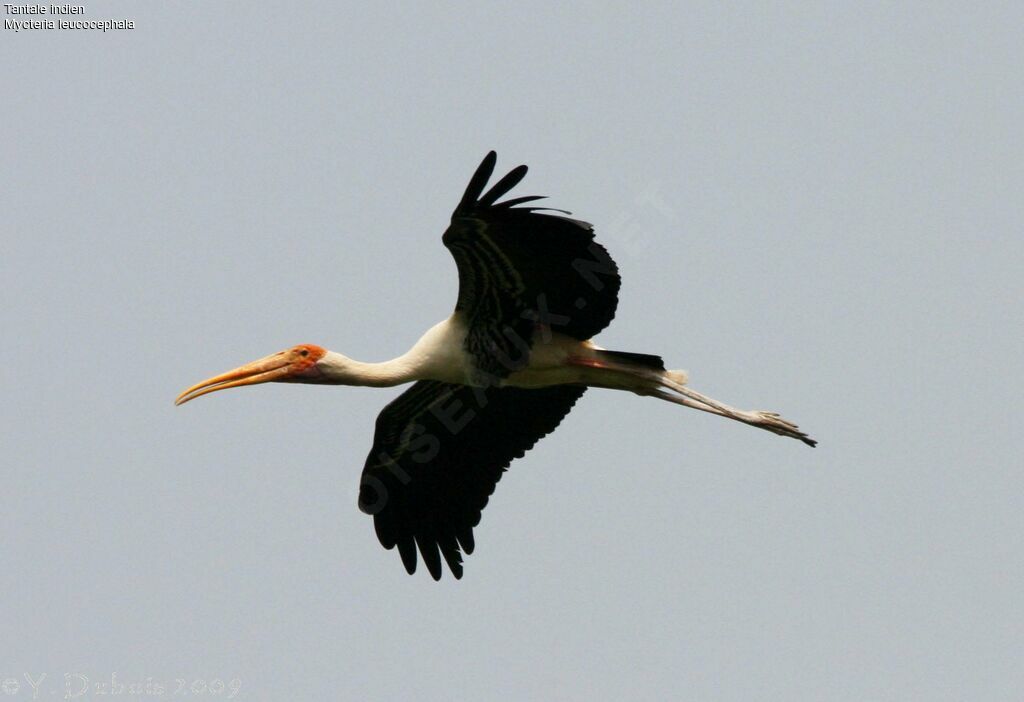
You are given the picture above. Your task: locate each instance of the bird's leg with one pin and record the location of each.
(657, 383)
(769, 421)
(663, 394)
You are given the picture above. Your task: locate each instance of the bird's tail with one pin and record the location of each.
(647, 371)
(628, 358)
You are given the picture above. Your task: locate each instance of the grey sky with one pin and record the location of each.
(816, 209)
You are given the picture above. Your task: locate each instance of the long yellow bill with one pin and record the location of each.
(264, 370)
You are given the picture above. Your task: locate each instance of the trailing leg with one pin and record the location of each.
(646, 375)
(769, 421)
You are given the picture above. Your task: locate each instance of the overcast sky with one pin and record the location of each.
(816, 209)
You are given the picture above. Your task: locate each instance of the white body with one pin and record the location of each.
(440, 355)
(555, 359)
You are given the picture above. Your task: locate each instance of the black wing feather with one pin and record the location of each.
(507, 182)
(438, 452)
(519, 267)
(476, 184)
(521, 200)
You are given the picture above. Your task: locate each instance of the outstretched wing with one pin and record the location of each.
(438, 452)
(520, 267)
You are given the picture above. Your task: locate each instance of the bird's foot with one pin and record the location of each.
(772, 422)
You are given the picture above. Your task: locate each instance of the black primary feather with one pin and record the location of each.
(438, 453)
(520, 268)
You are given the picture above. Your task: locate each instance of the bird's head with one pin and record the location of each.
(298, 364)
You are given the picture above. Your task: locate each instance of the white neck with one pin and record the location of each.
(342, 370)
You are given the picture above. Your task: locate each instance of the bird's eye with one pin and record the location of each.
(304, 352)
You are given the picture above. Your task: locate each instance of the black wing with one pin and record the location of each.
(520, 267)
(438, 452)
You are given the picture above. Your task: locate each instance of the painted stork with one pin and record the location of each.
(491, 380)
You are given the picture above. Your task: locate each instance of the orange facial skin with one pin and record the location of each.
(283, 366)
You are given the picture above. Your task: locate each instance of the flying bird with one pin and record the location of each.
(491, 380)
